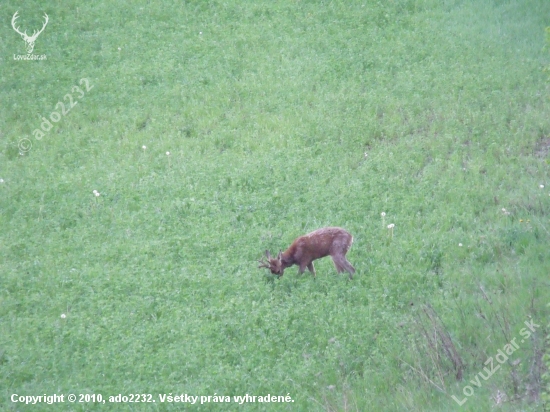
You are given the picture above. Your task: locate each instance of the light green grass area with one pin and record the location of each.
(279, 117)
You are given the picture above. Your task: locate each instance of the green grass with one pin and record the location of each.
(280, 117)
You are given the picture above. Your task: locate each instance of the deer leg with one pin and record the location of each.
(342, 265)
(311, 268)
(337, 263)
(348, 267)
(302, 269)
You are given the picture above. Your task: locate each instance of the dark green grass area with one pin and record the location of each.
(213, 131)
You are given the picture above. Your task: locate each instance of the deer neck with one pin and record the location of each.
(286, 259)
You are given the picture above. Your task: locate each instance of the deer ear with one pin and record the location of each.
(280, 255)
(267, 254)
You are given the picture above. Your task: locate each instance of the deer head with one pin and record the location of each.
(274, 265)
(29, 39)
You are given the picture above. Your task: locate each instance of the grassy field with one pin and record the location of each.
(212, 131)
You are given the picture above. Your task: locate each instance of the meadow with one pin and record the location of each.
(197, 134)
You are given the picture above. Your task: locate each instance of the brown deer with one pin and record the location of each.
(333, 241)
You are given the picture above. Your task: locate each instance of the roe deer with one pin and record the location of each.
(333, 241)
